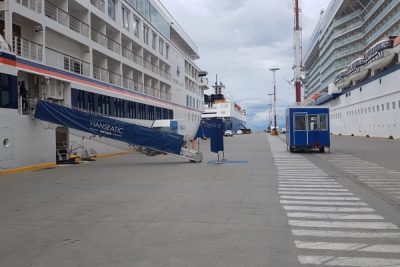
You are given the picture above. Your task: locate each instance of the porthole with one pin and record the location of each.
(6, 142)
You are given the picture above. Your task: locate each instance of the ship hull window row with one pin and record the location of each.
(117, 107)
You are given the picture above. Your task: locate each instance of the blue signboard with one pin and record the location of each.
(106, 127)
(217, 135)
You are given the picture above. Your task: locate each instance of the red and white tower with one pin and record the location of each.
(297, 44)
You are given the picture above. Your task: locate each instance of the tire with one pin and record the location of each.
(322, 149)
(291, 149)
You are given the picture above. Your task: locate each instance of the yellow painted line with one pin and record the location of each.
(28, 168)
(115, 154)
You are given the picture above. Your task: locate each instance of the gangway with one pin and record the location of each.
(114, 132)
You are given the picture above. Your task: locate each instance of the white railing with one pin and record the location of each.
(150, 66)
(139, 87)
(129, 54)
(115, 79)
(100, 4)
(148, 90)
(66, 19)
(101, 74)
(105, 41)
(165, 74)
(35, 5)
(66, 62)
(128, 83)
(27, 49)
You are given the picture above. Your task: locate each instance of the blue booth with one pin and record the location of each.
(307, 128)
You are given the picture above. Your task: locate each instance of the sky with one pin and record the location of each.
(240, 40)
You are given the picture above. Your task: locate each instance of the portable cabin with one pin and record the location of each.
(307, 128)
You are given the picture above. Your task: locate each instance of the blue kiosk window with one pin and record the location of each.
(299, 122)
(323, 122)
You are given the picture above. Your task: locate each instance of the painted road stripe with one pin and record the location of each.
(334, 216)
(348, 261)
(348, 247)
(306, 179)
(316, 193)
(352, 234)
(328, 209)
(307, 183)
(320, 198)
(335, 203)
(315, 189)
(318, 186)
(360, 225)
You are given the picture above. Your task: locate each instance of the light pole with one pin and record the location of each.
(270, 111)
(274, 69)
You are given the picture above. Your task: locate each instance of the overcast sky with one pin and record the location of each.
(240, 40)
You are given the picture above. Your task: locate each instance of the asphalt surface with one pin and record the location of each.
(262, 207)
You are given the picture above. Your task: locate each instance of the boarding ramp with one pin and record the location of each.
(114, 132)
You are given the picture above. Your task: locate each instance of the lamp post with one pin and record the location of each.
(274, 69)
(270, 111)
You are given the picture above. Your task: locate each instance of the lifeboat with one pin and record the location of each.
(357, 70)
(341, 79)
(380, 55)
(396, 45)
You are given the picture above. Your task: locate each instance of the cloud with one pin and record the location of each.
(240, 40)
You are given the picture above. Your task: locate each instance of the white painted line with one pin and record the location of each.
(358, 225)
(315, 189)
(348, 247)
(315, 193)
(320, 198)
(348, 261)
(328, 209)
(350, 234)
(307, 182)
(335, 216)
(318, 186)
(334, 203)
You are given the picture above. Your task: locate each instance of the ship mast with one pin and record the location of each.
(297, 40)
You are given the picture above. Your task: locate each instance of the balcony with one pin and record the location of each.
(129, 54)
(165, 74)
(105, 41)
(65, 19)
(165, 96)
(107, 76)
(34, 5)
(150, 66)
(100, 4)
(66, 62)
(128, 84)
(27, 49)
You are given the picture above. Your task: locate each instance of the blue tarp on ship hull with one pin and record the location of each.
(110, 128)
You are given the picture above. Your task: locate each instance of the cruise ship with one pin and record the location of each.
(351, 65)
(122, 59)
(218, 105)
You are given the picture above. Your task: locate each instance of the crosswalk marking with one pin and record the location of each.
(334, 216)
(327, 218)
(347, 234)
(328, 209)
(339, 224)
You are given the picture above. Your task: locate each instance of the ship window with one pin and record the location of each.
(125, 17)
(166, 51)
(394, 105)
(369, 109)
(377, 108)
(111, 9)
(161, 46)
(387, 106)
(136, 26)
(383, 107)
(145, 34)
(153, 41)
(373, 108)
(299, 122)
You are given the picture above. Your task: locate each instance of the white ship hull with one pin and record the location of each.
(371, 108)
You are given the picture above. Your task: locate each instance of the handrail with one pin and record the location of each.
(27, 49)
(100, 4)
(105, 41)
(150, 66)
(64, 18)
(34, 5)
(107, 76)
(66, 62)
(126, 52)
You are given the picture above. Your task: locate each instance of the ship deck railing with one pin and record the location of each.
(66, 19)
(27, 49)
(100, 4)
(66, 62)
(34, 5)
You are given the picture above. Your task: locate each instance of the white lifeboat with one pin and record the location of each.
(357, 70)
(380, 55)
(341, 79)
(396, 45)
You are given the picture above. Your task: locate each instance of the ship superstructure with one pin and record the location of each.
(126, 59)
(347, 28)
(218, 105)
(352, 66)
